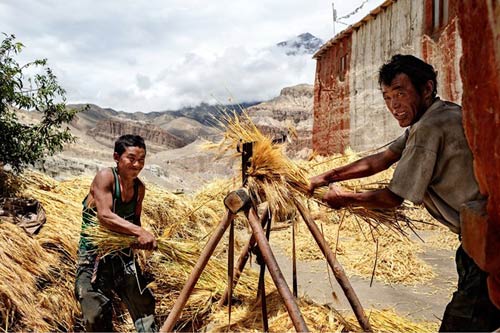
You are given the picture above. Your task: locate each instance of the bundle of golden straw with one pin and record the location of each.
(172, 264)
(274, 178)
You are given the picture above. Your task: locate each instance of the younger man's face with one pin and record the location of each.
(131, 162)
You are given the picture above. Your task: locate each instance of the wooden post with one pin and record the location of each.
(274, 270)
(242, 260)
(337, 269)
(205, 255)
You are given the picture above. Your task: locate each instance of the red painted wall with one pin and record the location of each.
(480, 71)
(331, 100)
(439, 48)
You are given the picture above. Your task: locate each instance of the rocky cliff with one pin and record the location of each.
(291, 109)
(107, 131)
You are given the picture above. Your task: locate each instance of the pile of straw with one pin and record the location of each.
(45, 302)
(38, 272)
(46, 263)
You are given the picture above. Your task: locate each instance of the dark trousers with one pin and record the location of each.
(470, 309)
(119, 274)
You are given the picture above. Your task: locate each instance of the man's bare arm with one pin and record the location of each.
(337, 198)
(102, 193)
(363, 167)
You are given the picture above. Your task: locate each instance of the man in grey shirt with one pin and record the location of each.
(434, 168)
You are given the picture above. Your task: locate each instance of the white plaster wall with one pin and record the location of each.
(398, 29)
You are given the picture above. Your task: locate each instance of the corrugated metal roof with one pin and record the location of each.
(352, 27)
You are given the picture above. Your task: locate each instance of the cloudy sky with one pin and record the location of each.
(165, 54)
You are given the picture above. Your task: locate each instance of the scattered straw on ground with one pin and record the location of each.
(443, 238)
(319, 318)
(397, 257)
(185, 222)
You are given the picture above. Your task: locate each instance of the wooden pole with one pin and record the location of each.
(243, 258)
(274, 270)
(337, 269)
(205, 255)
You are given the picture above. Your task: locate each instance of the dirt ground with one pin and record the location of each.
(420, 302)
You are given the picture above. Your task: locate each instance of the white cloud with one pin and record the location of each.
(158, 55)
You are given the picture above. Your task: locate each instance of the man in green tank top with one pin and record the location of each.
(115, 198)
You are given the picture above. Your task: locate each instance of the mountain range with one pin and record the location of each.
(305, 43)
(176, 158)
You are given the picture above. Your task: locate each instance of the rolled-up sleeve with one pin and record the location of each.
(415, 169)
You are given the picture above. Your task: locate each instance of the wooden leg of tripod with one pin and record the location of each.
(274, 270)
(205, 255)
(242, 260)
(337, 269)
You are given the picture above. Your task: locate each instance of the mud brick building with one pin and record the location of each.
(461, 39)
(348, 108)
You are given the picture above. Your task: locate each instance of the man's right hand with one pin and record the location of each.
(315, 182)
(145, 241)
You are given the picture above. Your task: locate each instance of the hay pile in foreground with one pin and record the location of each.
(48, 302)
(46, 263)
(36, 292)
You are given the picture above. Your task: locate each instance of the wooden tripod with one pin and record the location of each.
(239, 200)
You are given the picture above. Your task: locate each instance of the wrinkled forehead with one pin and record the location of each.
(400, 81)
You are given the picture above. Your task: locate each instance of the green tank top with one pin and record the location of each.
(125, 210)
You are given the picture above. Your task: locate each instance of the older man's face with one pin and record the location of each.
(403, 100)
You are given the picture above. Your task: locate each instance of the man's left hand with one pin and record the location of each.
(335, 197)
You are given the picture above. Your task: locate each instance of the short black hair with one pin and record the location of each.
(128, 140)
(417, 70)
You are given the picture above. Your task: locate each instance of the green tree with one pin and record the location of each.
(22, 144)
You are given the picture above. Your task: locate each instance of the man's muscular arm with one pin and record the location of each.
(102, 192)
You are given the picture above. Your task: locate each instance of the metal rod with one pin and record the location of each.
(262, 281)
(245, 254)
(230, 268)
(276, 274)
(262, 292)
(205, 255)
(294, 262)
(337, 269)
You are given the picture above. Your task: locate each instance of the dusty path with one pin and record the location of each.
(421, 302)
